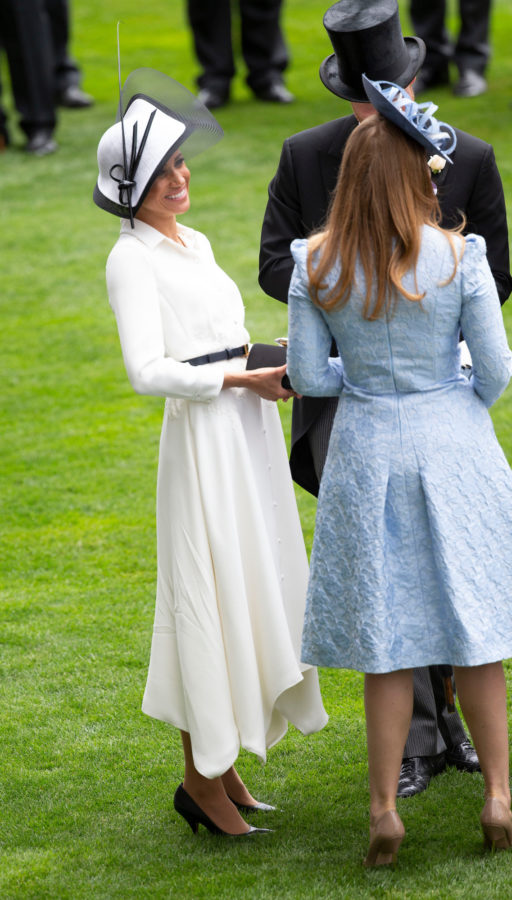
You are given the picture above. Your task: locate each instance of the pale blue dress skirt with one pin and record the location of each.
(412, 558)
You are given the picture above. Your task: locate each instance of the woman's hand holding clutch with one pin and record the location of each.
(264, 382)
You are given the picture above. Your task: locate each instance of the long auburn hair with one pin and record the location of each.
(383, 197)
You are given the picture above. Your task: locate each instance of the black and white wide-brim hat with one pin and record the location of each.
(157, 116)
(367, 37)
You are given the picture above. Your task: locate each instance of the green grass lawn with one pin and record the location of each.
(86, 781)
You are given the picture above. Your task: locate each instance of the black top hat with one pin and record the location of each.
(368, 38)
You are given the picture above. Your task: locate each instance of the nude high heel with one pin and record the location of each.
(194, 815)
(496, 821)
(385, 839)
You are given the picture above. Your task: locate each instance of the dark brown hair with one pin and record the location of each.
(383, 197)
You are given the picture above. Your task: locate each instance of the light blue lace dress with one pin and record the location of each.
(412, 555)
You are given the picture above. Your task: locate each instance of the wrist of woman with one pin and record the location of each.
(236, 379)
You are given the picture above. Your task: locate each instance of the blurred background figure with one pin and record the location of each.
(26, 39)
(4, 133)
(263, 49)
(35, 37)
(470, 53)
(68, 77)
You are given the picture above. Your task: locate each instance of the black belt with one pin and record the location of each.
(221, 354)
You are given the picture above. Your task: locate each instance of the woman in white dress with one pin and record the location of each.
(232, 567)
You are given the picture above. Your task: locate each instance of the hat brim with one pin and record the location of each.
(329, 73)
(165, 135)
(159, 115)
(392, 112)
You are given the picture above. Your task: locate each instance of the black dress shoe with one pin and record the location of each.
(470, 84)
(416, 772)
(275, 92)
(213, 97)
(463, 757)
(73, 97)
(429, 78)
(194, 815)
(41, 143)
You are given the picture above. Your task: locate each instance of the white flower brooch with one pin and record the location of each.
(436, 164)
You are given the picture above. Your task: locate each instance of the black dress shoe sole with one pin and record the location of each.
(415, 782)
(73, 97)
(470, 90)
(43, 149)
(463, 767)
(274, 93)
(75, 104)
(213, 99)
(440, 79)
(412, 788)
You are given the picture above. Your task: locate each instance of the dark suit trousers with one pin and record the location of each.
(433, 728)
(472, 49)
(25, 36)
(3, 121)
(263, 46)
(65, 68)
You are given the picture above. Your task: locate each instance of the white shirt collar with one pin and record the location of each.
(152, 237)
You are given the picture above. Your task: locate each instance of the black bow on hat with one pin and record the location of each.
(127, 182)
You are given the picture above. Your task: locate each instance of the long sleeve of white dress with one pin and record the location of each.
(149, 281)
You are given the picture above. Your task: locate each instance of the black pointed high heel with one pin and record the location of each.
(194, 815)
(254, 807)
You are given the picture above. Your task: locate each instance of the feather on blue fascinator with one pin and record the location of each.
(415, 119)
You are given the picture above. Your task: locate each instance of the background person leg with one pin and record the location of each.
(210, 22)
(264, 49)
(25, 35)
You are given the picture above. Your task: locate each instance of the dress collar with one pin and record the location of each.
(152, 237)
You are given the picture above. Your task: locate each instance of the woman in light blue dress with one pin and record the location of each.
(412, 557)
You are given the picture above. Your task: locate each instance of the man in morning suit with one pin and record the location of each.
(368, 39)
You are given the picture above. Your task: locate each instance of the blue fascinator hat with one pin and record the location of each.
(415, 119)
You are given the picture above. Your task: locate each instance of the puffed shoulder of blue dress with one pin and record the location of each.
(412, 555)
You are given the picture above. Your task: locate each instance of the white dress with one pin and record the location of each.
(232, 567)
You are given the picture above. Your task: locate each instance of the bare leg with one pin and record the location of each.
(388, 704)
(210, 795)
(483, 699)
(236, 789)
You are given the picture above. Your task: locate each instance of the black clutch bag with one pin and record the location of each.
(269, 356)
